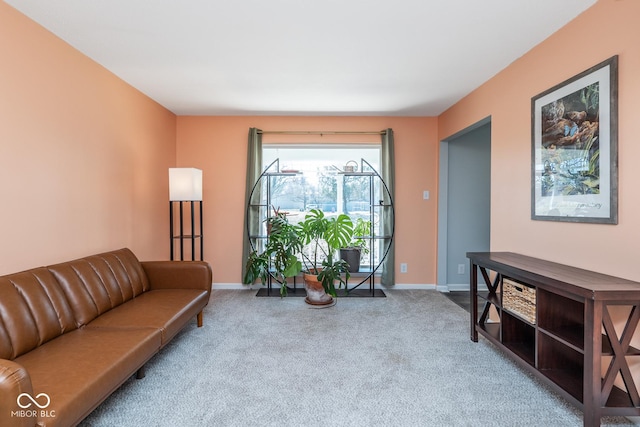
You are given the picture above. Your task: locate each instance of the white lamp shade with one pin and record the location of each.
(185, 184)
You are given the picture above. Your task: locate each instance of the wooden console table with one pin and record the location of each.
(571, 340)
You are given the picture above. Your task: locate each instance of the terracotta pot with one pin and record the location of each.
(315, 291)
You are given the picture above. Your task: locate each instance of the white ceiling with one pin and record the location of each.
(297, 57)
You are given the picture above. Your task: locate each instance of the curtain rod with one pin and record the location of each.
(314, 132)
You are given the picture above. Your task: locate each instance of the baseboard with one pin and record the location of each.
(451, 287)
(399, 286)
(410, 286)
(457, 287)
(460, 287)
(235, 286)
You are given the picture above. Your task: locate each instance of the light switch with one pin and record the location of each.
(425, 195)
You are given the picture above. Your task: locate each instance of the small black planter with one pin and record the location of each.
(352, 257)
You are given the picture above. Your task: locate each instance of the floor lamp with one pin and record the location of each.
(185, 190)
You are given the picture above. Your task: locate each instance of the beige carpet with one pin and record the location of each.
(404, 360)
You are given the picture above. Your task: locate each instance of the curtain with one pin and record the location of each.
(388, 176)
(254, 169)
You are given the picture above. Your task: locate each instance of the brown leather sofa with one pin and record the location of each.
(72, 333)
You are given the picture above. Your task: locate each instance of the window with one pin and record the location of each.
(320, 182)
(321, 186)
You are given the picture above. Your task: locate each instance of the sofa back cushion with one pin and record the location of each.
(95, 284)
(33, 310)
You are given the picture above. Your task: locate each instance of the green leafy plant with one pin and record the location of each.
(278, 257)
(357, 245)
(322, 237)
(362, 228)
(308, 246)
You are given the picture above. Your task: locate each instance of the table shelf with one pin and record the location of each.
(570, 344)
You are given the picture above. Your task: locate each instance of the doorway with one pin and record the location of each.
(464, 205)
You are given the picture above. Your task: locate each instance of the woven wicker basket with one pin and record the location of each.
(519, 299)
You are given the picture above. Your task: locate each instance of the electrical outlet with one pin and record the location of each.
(403, 267)
(460, 268)
(425, 195)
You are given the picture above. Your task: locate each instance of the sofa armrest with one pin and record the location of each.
(178, 274)
(14, 380)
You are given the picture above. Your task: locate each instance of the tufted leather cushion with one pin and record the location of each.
(80, 369)
(33, 310)
(96, 284)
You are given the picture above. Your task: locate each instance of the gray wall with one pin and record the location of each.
(468, 200)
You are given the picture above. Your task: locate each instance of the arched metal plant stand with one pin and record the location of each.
(380, 205)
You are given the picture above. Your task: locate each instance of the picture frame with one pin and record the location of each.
(574, 134)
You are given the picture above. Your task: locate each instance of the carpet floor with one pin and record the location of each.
(403, 360)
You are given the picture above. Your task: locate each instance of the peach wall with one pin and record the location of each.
(218, 146)
(606, 29)
(83, 156)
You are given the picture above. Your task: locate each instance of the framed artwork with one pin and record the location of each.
(574, 132)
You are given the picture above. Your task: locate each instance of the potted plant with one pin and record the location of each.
(278, 257)
(322, 237)
(276, 213)
(310, 247)
(357, 245)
